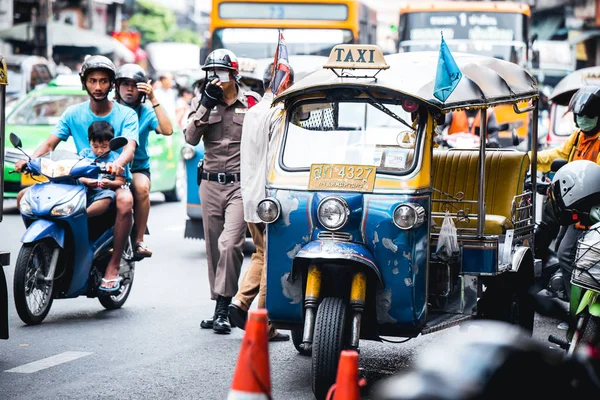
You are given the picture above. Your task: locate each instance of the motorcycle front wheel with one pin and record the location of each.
(32, 293)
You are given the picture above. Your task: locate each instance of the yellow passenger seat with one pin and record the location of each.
(458, 171)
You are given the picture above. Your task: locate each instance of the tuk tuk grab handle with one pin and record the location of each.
(523, 110)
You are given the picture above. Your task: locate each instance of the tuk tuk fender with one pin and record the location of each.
(331, 250)
(521, 256)
(41, 229)
(589, 300)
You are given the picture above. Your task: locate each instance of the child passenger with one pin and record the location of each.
(101, 191)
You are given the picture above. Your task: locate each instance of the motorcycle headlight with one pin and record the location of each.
(25, 205)
(188, 152)
(333, 212)
(68, 207)
(408, 216)
(268, 210)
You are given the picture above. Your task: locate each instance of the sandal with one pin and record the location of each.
(142, 251)
(110, 289)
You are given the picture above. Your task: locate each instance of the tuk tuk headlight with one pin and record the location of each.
(268, 210)
(188, 152)
(333, 212)
(408, 216)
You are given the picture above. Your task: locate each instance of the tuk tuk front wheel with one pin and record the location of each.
(297, 341)
(328, 343)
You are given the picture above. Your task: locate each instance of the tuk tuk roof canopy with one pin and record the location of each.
(566, 88)
(486, 81)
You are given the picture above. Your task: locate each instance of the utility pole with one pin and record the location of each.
(41, 29)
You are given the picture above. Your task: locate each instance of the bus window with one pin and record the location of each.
(249, 27)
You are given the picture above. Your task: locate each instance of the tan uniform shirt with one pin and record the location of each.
(221, 132)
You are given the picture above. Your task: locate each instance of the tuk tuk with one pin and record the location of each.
(358, 199)
(4, 256)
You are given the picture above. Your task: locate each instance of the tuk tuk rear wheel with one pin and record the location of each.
(328, 343)
(297, 335)
(507, 299)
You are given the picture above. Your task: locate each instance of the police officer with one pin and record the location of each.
(218, 117)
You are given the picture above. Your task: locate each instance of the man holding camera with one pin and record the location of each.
(217, 120)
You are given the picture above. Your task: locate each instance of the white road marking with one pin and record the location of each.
(175, 228)
(48, 362)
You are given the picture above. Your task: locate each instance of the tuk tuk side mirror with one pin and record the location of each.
(16, 141)
(535, 59)
(515, 137)
(557, 164)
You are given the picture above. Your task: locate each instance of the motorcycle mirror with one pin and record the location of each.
(117, 143)
(16, 142)
(557, 164)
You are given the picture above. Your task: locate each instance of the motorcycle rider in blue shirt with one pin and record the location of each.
(97, 77)
(132, 88)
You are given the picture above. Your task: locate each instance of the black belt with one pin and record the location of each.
(221, 177)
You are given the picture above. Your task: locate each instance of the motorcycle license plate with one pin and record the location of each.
(342, 177)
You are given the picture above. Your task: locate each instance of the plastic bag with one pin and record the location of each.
(447, 244)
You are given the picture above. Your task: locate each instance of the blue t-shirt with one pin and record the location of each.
(77, 119)
(148, 122)
(110, 157)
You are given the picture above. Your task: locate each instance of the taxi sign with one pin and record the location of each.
(356, 56)
(3, 74)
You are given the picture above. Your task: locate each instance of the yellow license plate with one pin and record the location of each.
(342, 177)
(28, 180)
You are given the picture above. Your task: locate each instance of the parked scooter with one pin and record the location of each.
(64, 255)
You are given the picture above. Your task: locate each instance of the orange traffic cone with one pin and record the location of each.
(347, 385)
(252, 376)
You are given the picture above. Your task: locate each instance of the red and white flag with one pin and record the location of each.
(281, 66)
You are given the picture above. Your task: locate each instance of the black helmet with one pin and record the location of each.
(97, 63)
(222, 58)
(133, 72)
(586, 101)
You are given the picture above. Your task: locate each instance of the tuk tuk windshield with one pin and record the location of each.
(357, 133)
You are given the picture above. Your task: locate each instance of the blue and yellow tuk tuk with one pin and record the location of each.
(358, 198)
(4, 256)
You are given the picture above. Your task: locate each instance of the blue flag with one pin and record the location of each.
(448, 74)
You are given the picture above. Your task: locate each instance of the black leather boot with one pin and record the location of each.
(208, 323)
(221, 319)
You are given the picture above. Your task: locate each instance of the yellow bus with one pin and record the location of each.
(498, 29)
(249, 27)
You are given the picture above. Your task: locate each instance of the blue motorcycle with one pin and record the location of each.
(64, 254)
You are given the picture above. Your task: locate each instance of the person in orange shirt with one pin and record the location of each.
(469, 121)
(583, 144)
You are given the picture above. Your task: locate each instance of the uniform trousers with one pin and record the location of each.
(224, 233)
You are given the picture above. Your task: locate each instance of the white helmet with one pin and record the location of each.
(575, 189)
